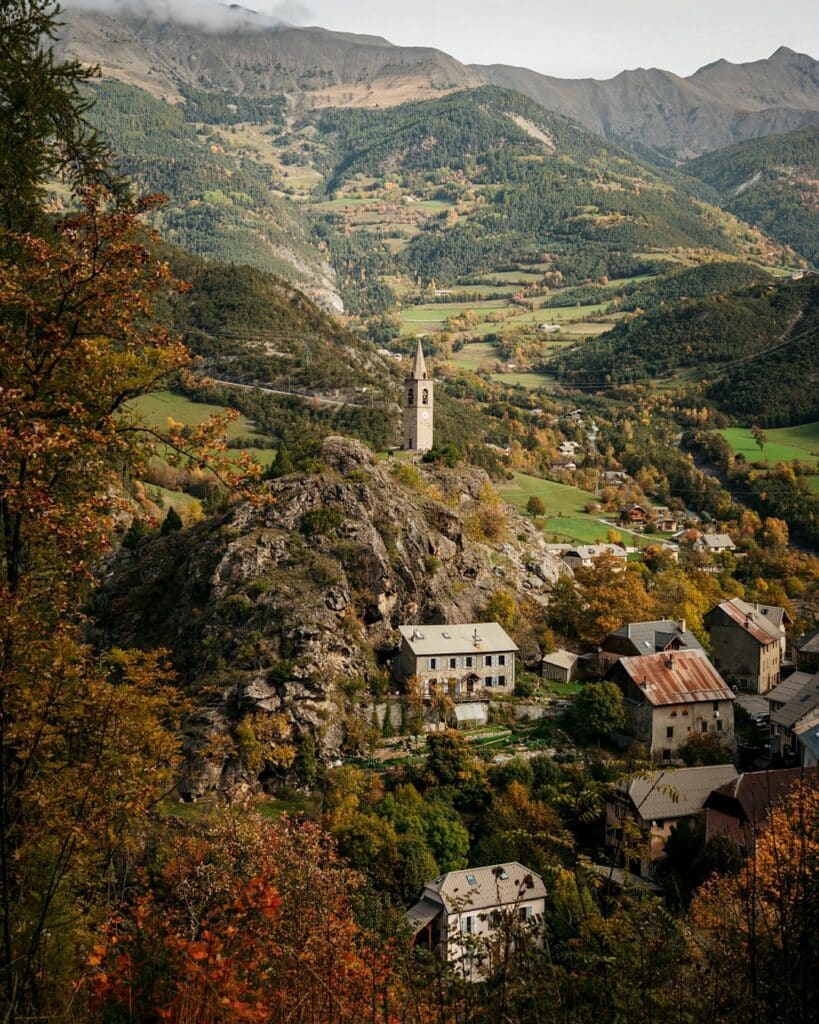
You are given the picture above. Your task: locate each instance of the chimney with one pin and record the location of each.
(682, 625)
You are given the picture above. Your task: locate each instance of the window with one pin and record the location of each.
(425, 397)
(501, 659)
(716, 705)
(487, 660)
(471, 880)
(410, 396)
(501, 680)
(704, 727)
(468, 924)
(525, 913)
(489, 681)
(495, 918)
(669, 732)
(433, 663)
(469, 661)
(719, 725)
(453, 662)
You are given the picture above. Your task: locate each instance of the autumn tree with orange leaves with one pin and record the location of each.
(246, 922)
(88, 742)
(764, 922)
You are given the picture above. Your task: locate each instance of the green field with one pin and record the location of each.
(532, 381)
(784, 444)
(560, 499)
(156, 409)
(472, 355)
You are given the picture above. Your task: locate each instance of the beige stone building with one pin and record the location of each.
(419, 395)
(478, 657)
(748, 642)
(672, 696)
(466, 917)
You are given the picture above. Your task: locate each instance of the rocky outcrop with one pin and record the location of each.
(282, 617)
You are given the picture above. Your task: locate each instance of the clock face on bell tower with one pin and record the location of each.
(419, 394)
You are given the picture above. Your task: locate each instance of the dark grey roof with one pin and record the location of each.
(676, 793)
(651, 637)
(789, 688)
(809, 644)
(799, 706)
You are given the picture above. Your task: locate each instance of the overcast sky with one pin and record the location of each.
(576, 38)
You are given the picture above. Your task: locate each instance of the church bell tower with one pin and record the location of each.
(418, 406)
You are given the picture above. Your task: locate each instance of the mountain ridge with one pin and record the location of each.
(652, 111)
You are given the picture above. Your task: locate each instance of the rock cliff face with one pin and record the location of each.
(281, 618)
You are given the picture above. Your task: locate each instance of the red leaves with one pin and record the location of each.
(249, 923)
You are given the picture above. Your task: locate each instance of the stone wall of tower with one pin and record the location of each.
(419, 398)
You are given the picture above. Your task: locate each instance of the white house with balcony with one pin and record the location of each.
(475, 657)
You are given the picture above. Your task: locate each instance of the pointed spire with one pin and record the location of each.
(419, 366)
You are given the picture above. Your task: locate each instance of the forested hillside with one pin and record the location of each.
(221, 203)
(772, 183)
(721, 321)
(543, 183)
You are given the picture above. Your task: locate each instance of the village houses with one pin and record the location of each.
(748, 642)
(673, 696)
(656, 802)
(583, 556)
(471, 658)
(461, 915)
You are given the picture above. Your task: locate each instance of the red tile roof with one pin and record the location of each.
(684, 677)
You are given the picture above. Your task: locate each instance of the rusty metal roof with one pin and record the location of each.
(747, 617)
(684, 677)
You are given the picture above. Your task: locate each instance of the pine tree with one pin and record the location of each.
(172, 522)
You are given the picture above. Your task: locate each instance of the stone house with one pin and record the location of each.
(739, 808)
(463, 916)
(672, 696)
(638, 638)
(476, 657)
(656, 802)
(748, 642)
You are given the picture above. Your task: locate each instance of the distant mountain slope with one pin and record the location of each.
(655, 111)
(772, 183)
(220, 205)
(650, 111)
(541, 185)
(246, 56)
(720, 322)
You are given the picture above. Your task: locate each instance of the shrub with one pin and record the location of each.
(321, 521)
